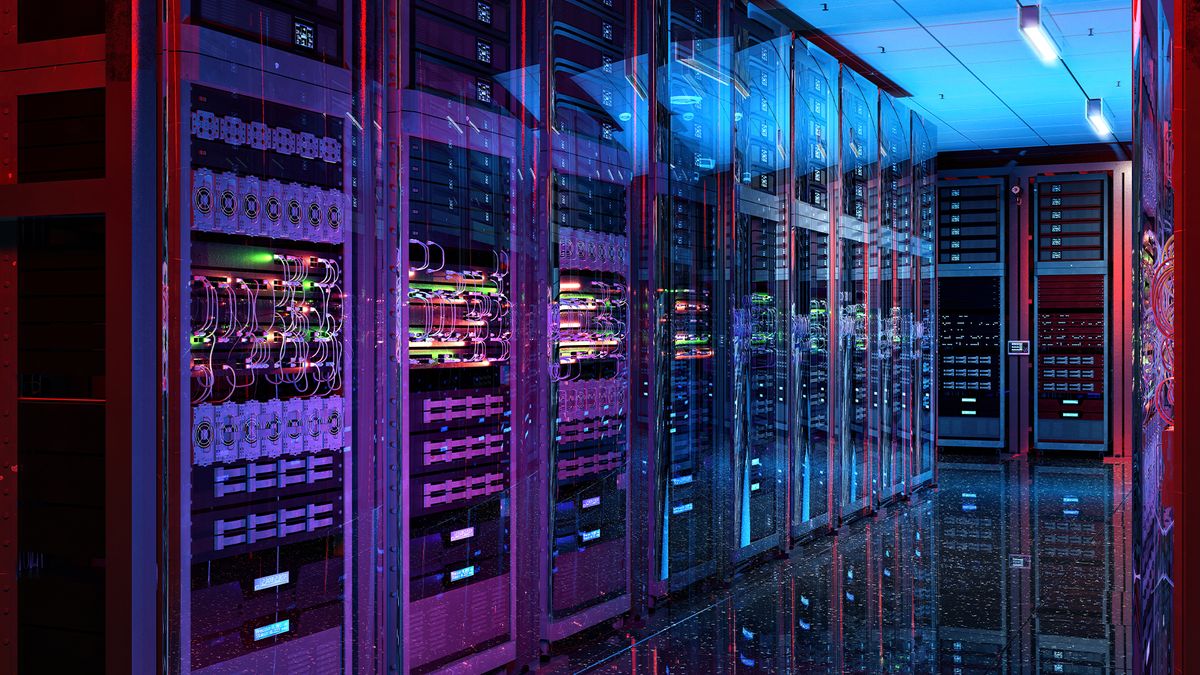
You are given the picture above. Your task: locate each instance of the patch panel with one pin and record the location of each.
(265, 322)
(231, 130)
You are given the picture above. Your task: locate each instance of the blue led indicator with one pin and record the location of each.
(272, 580)
(458, 575)
(272, 629)
(590, 535)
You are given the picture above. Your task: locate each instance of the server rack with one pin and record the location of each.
(262, 290)
(1071, 224)
(859, 169)
(813, 295)
(971, 371)
(687, 419)
(79, 273)
(894, 289)
(596, 113)
(758, 281)
(463, 310)
(924, 332)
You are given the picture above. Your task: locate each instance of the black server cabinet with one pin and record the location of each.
(1071, 224)
(894, 361)
(591, 144)
(262, 296)
(855, 308)
(970, 300)
(815, 157)
(464, 192)
(688, 431)
(923, 246)
(758, 282)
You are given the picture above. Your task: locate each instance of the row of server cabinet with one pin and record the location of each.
(1030, 308)
(490, 321)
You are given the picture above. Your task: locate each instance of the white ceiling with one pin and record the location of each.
(969, 70)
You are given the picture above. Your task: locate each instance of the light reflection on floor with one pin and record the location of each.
(1007, 567)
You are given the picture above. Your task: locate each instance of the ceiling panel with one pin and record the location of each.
(970, 72)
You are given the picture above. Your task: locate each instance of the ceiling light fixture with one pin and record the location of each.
(1099, 117)
(1032, 22)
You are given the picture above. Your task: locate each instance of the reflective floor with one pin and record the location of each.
(1013, 567)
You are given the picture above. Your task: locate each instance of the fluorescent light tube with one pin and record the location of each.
(1097, 116)
(1029, 20)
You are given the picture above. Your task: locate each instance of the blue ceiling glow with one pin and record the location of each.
(969, 70)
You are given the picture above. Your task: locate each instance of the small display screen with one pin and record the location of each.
(304, 34)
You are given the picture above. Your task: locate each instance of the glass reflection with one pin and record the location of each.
(1004, 568)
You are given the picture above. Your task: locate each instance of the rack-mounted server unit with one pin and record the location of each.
(971, 291)
(263, 289)
(1070, 225)
(815, 152)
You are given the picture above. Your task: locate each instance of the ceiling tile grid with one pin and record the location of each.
(968, 69)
